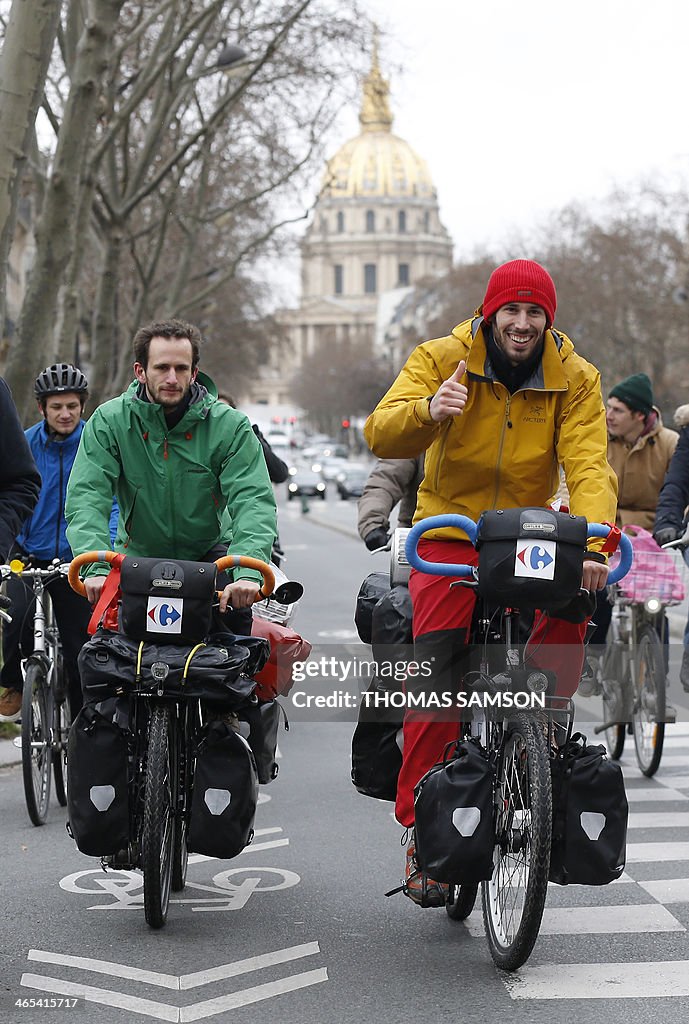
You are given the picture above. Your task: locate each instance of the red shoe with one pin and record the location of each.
(419, 887)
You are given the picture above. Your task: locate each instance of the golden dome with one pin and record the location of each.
(377, 163)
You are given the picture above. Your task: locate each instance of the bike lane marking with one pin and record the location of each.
(168, 1011)
(645, 980)
(175, 981)
(225, 894)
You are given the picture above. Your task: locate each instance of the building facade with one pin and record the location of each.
(375, 233)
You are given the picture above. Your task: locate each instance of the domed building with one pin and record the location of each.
(375, 231)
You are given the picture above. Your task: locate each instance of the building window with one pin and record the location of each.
(401, 221)
(340, 222)
(370, 278)
(370, 222)
(427, 222)
(338, 278)
(402, 275)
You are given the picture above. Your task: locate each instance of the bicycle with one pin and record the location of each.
(519, 744)
(45, 715)
(163, 734)
(631, 674)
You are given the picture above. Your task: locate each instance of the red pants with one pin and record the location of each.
(443, 615)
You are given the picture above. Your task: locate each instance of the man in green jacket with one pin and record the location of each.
(176, 459)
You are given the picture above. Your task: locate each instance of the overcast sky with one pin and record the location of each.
(522, 107)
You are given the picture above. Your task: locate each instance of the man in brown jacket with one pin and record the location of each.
(639, 450)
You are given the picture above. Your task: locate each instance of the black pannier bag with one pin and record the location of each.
(111, 663)
(371, 590)
(166, 601)
(391, 620)
(97, 791)
(223, 803)
(530, 557)
(453, 817)
(377, 751)
(589, 815)
(263, 719)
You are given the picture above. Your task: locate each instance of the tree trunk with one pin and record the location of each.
(23, 67)
(105, 357)
(71, 298)
(56, 233)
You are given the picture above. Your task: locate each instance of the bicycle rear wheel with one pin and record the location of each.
(36, 742)
(648, 713)
(461, 900)
(158, 825)
(514, 897)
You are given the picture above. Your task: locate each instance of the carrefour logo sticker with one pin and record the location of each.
(164, 614)
(535, 559)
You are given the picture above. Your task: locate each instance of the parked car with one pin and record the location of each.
(350, 481)
(305, 482)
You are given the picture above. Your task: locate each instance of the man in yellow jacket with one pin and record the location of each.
(497, 406)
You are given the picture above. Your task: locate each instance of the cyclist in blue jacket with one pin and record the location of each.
(61, 391)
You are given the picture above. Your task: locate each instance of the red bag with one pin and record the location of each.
(286, 647)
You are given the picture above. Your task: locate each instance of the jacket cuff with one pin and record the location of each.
(422, 410)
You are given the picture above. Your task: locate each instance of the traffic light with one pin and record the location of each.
(345, 424)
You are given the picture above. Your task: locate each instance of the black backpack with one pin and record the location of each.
(589, 815)
(223, 803)
(97, 790)
(454, 816)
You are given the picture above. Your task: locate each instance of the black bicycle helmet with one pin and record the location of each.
(58, 378)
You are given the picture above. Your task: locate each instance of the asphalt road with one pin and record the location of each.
(297, 929)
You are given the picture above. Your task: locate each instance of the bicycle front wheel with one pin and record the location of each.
(514, 897)
(648, 713)
(36, 742)
(158, 825)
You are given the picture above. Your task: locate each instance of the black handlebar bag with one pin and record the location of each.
(530, 557)
(166, 601)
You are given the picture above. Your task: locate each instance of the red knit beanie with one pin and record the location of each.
(520, 281)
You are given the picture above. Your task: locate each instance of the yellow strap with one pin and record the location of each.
(138, 660)
(187, 663)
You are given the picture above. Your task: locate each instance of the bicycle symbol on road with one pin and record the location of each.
(231, 889)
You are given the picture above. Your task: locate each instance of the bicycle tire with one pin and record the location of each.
(182, 774)
(648, 713)
(36, 742)
(461, 900)
(59, 754)
(614, 740)
(514, 897)
(158, 820)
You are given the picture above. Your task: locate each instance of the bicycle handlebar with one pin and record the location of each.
(470, 528)
(226, 562)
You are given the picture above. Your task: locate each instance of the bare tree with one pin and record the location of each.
(186, 175)
(344, 379)
(27, 46)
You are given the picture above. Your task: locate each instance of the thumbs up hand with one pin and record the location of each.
(451, 396)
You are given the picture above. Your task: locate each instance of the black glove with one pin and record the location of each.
(377, 538)
(667, 534)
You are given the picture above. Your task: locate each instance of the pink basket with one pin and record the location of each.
(654, 572)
